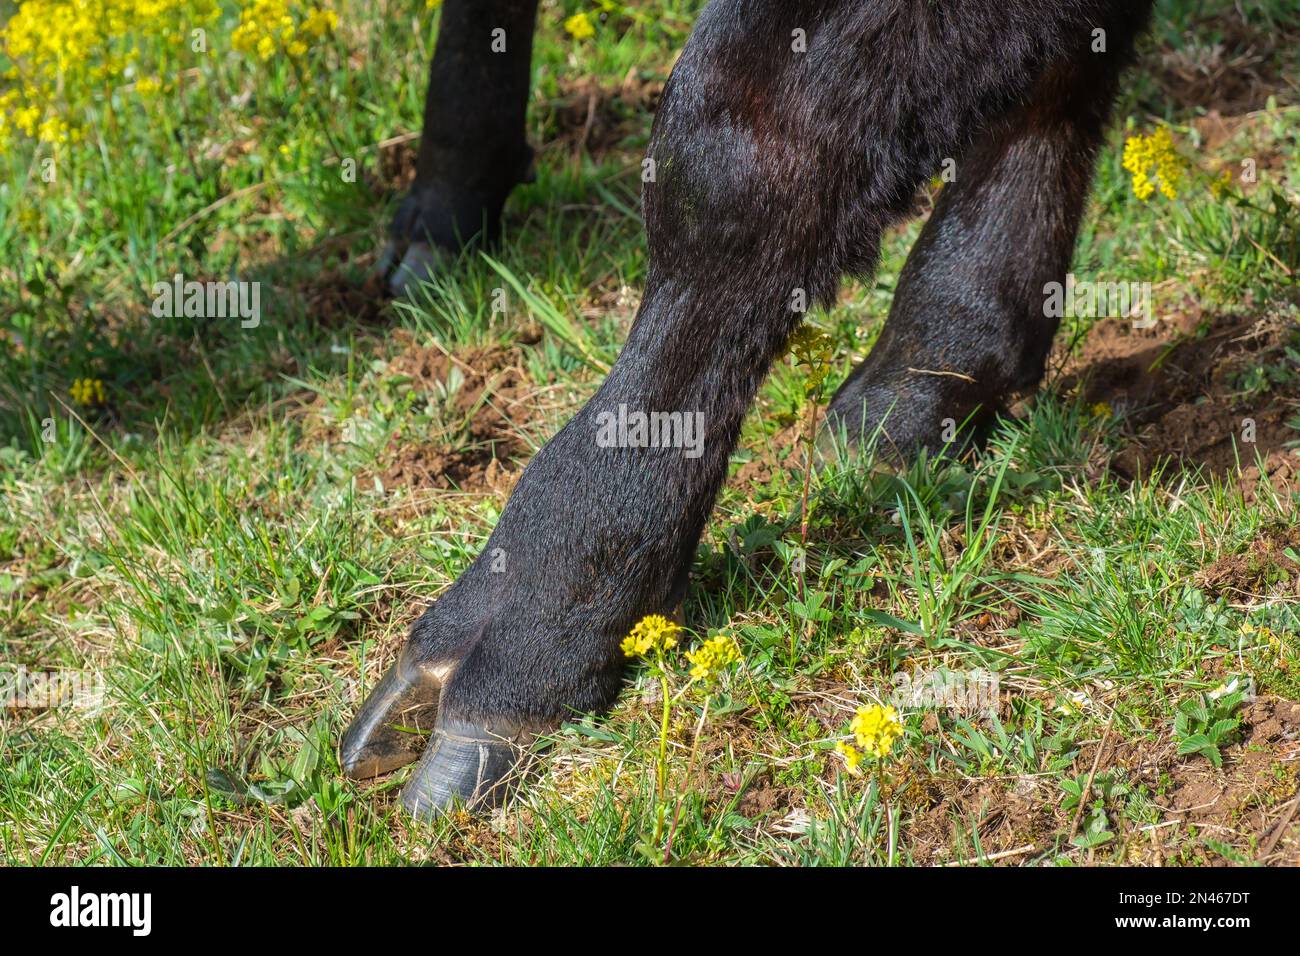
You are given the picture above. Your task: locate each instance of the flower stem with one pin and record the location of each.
(662, 781)
(690, 768)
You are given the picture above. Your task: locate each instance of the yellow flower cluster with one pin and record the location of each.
(851, 754)
(1145, 156)
(1222, 185)
(712, 657)
(875, 730)
(268, 27)
(653, 634)
(87, 391)
(579, 26)
(60, 58)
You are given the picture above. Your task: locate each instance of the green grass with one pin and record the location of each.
(219, 544)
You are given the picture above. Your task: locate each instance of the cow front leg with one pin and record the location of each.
(603, 523)
(472, 147)
(599, 532)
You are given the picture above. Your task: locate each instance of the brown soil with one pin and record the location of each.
(1005, 815)
(1248, 804)
(335, 300)
(1178, 387)
(1263, 567)
(395, 167)
(491, 405)
(1235, 76)
(784, 450)
(596, 117)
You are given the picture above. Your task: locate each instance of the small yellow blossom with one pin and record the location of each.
(579, 26)
(1222, 185)
(713, 656)
(875, 729)
(53, 130)
(320, 22)
(851, 754)
(1101, 410)
(1154, 154)
(87, 391)
(654, 633)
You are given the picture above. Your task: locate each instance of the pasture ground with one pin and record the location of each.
(236, 538)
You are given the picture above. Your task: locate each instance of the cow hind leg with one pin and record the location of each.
(758, 200)
(969, 323)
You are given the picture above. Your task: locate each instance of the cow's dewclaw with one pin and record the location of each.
(421, 262)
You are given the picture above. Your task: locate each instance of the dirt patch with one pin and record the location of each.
(1190, 390)
(1236, 74)
(597, 117)
(1216, 132)
(335, 300)
(484, 394)
(1249, 804)
(783, 451)
(1006, 816)
(394, 168)
(1264, 567)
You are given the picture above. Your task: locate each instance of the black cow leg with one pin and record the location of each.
(759, 200)
(968, 326)
(472, 147)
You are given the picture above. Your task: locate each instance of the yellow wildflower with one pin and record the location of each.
(87, 391)
(713, 656)
(875, 729)
(851, 754)
(579, 26)
(654, 633)
(1222, 185)
(320, 22)
(52, 130)
(1145, 156)
(57, 56)
(267, 27)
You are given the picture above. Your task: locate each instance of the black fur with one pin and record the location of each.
(776, 170)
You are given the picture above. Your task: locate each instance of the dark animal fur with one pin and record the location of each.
(776, 171)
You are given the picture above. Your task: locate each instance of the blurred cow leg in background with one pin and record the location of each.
(472, 149)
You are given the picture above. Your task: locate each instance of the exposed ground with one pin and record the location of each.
(237, 537)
